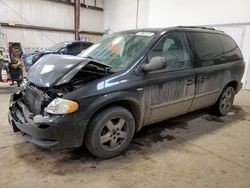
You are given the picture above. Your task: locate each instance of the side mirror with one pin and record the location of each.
(155, 63)
(2, 49)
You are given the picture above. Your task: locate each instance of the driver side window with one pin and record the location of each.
(174, 48)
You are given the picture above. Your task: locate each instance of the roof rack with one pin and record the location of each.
(198, 27)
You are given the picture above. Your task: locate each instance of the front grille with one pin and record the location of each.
(33, 99)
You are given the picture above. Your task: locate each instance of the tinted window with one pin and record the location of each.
(207, 48)
(84, 46)
(57, 47)
(76, 47)
(231, 50)
(174, 48)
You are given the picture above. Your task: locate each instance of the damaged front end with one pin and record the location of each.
(39, 109)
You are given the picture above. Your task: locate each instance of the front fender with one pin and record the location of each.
(101, 101)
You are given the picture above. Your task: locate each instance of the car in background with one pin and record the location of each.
(67, 48)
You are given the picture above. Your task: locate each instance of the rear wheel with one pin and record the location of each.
(225, 101)
(110, 132)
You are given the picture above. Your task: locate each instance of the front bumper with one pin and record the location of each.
(57, 131)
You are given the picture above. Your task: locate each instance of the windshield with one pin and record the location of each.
(119, 49)
(58, 46)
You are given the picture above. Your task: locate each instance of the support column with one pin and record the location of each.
(77, 19)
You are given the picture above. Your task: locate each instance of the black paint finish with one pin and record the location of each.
(151, 96)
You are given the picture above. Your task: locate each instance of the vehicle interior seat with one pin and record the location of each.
(173, 52)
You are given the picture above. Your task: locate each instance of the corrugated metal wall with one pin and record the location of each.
(38, 12)
(49, 14)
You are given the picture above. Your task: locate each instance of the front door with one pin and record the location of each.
(169, 92)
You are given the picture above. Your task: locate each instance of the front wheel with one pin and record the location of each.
(225, 101)
(110, 132)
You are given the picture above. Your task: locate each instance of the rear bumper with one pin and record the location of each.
(64, 131)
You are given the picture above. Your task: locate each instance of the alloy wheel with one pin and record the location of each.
(226, 100)
(114, 133)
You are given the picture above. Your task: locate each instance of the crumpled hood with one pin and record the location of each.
(53, 70)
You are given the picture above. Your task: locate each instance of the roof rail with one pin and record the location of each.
(198, 27)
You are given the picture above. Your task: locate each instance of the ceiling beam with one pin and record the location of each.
(82, 4)
(77, 19)
(43, 28)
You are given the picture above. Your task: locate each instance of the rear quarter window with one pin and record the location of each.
(84, 46)
(75, 47)
(231, 50)
(206, 47)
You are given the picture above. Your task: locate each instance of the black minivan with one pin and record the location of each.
(128, 80)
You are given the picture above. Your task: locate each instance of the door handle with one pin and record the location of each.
(202, 79)
(190, 82)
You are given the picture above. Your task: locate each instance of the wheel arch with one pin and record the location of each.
(234, 84)
(130, 105)
(118, 99)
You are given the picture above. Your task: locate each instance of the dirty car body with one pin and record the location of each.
(189, 81)
(28, 104)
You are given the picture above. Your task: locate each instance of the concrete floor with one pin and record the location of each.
(195, 150)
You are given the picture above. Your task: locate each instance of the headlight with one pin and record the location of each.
(61, 106)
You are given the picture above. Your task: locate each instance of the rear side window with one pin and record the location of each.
(84, 46)
(207, 48)
(76, 47)
(231, 50)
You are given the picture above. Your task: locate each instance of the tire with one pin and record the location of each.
(225, 102)
(110, 132)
